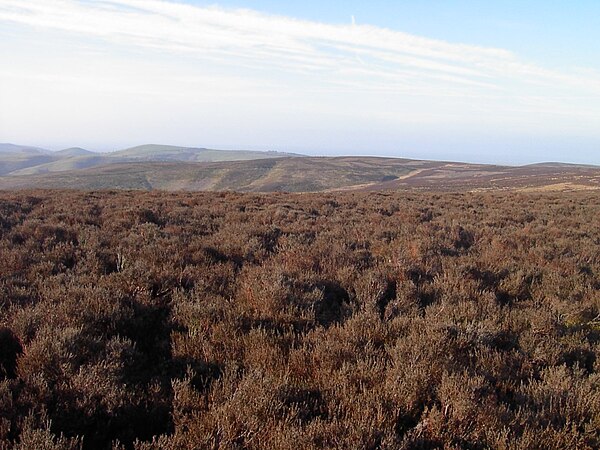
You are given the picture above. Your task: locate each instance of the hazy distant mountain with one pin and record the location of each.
(74, 151)
(15, 157)
(23, 149)
(63, 164)
(154, 152)
(19, 160)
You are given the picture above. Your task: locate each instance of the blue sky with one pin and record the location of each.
(496, 81)
(552, 32)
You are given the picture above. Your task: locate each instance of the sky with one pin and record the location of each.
(508, 82)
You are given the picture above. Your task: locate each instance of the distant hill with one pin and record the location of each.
(154, 152)
(15, 157)
(313, 174)
(74, 152)
(63, 164)
(23, 149)
(19, 160)
(275, 174)
(168, 167)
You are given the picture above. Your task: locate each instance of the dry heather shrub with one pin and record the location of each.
(133, 320)
(36, 434)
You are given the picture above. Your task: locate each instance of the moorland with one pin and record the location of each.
(170, 168)
(375, 320)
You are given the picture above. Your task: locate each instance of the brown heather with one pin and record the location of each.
(351, 320)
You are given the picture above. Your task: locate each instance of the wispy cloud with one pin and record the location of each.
(251, 67)
(374, 56)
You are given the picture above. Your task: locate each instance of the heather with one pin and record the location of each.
(383, 320)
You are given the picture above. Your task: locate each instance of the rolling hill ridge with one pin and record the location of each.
(20, 160)
(162, 167)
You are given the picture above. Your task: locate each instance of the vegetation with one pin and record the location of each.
(167, 168)
(300, 174)
(351, 320)
(23, 162)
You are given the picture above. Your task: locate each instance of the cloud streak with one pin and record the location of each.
(224, 69)
(374, 56)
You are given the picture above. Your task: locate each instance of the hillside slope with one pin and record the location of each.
(74, 152)
(276, 174)
(308, 174)
(156, 152)
(19, 160)
(13, 148)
